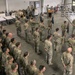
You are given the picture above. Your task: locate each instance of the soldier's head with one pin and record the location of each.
(10, 35)
(4, 31)
(33, 62)
(69, 50)
(10, 59)
(49, 37)
(73, 36)
(6, 50)
(13, 40)
(37, 29)
(26, 21)
(14, 67)
(42, 68)
(18, 44)
(7, 34)
(57, 29)
(42, 21)
(64, 22)
(26, 54)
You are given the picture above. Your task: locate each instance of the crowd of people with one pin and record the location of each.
(15, 62)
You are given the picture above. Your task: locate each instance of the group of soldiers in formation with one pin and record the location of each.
(14, 62)
(54, 41)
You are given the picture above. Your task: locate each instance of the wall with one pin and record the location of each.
(50, 3)
(2, 5)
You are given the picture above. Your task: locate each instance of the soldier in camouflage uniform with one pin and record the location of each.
(41, 70)
(26, 29)
(17, 51)
(12, 46)
(49, 50)
(73, 28)
(42, 28)
(18, 27)
(71, 43)
(8, 64)
(32, 24)
(64, 28)
(5, 55)
(67, 61)
(57, 40)
(37, 40)
(32, 69)
(14, 69)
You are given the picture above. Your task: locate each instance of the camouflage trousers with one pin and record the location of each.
(49, 58)
(57, 46)
(18, 32)
(37, 47)
(67, 72)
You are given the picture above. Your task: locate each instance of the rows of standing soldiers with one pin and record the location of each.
(12, 60)
(53, 41)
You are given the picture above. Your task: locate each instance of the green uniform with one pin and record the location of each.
(49, 50)
(50, 22)
(34, 69)
(7, 68)
(73, 28)
(67, 60)
(26, 29)
(13, 73)
(42, 28)
(39, 73)
(11, 47)
(4, 58)
(18, 27)
(64, 29)
(57, 41)
(36, 41)
(33, 24)
(17, 53)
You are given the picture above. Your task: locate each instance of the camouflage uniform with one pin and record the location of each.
(73, 28)
(49, 49)
(57, 41)
(42, 28)
(64, 29)
(37, 41)
(67, 60)
(18, 27)
(26, 28)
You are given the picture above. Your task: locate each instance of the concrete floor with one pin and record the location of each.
(57, 68)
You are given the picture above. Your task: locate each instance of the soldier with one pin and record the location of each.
(14, 69)
(41, 70)
(49, 50)
(71, 43)
(42, 28)
(8, 64)
(50, 22)
(67, 61)
(32, 24)
(8, 39)
(12, 46)
(5, 55)
(3, 35)
(73, 28)
(17, 51)
(37, 40)
(18, 26)
(64, 28)
(32, 69)
(57, 40)
(26, 28)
